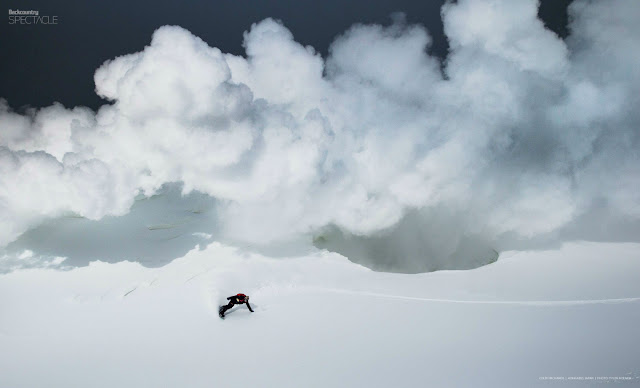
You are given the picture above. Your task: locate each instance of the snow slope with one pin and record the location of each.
(322, 321)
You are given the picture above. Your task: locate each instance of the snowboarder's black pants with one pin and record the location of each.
(231, 304)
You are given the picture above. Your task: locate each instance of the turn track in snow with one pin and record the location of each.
(505, 302)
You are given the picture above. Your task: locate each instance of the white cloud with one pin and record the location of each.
(520, 137)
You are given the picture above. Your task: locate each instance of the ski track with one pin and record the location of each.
(503, 302)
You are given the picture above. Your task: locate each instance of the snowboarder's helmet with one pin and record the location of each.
(241, 295)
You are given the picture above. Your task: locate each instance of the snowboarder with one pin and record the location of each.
(234, 300)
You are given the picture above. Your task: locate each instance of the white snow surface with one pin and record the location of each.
(323, 321)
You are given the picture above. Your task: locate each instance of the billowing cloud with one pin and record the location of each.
(519, 135)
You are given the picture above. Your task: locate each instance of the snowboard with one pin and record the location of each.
(220, 312)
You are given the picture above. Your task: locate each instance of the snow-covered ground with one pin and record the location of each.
(538, 318)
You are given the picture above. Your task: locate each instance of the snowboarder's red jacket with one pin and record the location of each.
(238, 299)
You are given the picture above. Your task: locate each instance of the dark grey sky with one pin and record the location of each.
(45, 63)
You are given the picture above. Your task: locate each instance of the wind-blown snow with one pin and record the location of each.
(322, 321)
(522, 138)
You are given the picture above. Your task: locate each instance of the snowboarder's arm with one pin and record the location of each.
(249, 306)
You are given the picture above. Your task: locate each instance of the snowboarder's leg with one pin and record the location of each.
(223, 309)
(249, 306)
